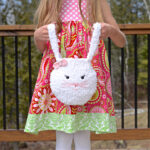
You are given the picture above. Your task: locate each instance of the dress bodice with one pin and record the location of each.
(70, 10)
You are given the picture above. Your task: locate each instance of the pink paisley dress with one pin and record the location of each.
(46, 112)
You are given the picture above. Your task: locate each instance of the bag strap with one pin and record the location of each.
(93, 46)
(94, 40)
(54, 41)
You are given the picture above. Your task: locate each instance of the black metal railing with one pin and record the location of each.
(4, 32)
(16, 78)
(148, 80)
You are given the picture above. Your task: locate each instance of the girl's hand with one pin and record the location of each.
(106, 30)
(118, 37)
(41, 34)
(41, 37)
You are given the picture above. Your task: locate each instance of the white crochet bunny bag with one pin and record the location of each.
(73, 80)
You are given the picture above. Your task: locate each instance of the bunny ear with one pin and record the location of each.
(54, 41)
(94, 40)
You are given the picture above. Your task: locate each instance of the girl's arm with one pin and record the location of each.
(110, 27)
(41, 37)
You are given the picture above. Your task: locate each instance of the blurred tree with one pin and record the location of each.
(129, 11)
(147, 6)
(1, 5)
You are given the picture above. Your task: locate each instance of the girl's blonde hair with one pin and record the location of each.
(48, 12)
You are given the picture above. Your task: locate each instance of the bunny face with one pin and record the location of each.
(74, 83)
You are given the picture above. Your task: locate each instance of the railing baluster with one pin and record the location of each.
(30, 79)
(17, 99)
(3, 74)
(135, 77)
(109, 52)
(122, 86)
(148, 80)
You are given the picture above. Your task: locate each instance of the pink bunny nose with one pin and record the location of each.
(76, 84)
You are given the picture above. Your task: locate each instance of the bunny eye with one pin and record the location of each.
(82, 77)
(67, 77)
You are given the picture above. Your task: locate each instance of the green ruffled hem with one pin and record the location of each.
(99, 122)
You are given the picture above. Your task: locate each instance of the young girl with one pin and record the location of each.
(74, 20)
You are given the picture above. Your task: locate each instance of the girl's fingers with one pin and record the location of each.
(45, 32)
(44, 38)
(103, 37)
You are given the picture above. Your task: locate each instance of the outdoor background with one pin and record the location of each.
(125, 12)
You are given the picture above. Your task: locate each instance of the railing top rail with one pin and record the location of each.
(143, 26)
(28, 30)
(17, 27)
(135, 28)
(32, 27)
